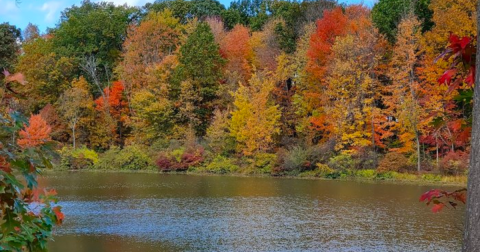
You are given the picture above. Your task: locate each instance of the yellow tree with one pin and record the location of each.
(352, 83)
(255, 118)
(403, 108)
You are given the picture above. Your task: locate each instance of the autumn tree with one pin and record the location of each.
(200, 65)
(114, 106)
(48, 74)
(31, 32)
(238, 51)
(156, 37)
(404, 108)
(255, 119)
(74, 103)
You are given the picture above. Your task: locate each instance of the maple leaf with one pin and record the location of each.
(447, 76)
(58, 214)
(35, 134)
(437, 207)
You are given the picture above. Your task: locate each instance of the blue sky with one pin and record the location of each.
(47, 13)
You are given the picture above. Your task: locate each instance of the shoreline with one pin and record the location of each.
(459, 181)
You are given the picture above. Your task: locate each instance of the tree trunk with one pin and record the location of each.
(419, 157)
(472, 219)
(73, 133)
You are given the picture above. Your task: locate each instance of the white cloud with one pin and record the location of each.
(52, 10)
(9, 9)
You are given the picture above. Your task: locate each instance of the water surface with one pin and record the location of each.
(161, 212)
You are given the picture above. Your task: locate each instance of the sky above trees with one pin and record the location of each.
(47, 13)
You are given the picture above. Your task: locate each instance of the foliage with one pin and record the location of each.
(180, 159)
(198, 74)
(35, 134)
(76, 159)
(28, 213)
(255, 119)
(440, 199)
(387, 14)
(221, 164)
(455, 163)
(393, 161)
(8, 45)
(147, 45)
(341, 162)
(93, 30)
(47, 73)
(130, 158)
(74, 104)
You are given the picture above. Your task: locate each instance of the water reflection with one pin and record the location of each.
(155, 212)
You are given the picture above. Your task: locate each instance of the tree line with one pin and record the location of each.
(262, 86)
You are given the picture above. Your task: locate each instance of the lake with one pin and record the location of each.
(162, 212)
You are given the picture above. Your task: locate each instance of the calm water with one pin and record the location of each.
(158, 212)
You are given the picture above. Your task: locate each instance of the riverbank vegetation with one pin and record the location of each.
(312, 88)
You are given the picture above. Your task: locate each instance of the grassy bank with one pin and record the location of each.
(183, 161)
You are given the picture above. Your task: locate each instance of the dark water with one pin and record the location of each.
(157, 212)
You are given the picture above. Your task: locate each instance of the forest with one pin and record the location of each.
(311, 88)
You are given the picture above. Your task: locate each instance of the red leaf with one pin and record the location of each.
(470, 80)
(434, 193)
(58, 214)
(447, 76)
(437, 207)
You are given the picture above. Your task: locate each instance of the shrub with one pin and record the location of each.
(75, 159)
(302, 159)
(221, 164)
(431, 177)
(131, 157)
(367, 173)
(341, 162)
(180, 159)
(294, 159)
(365, 158)
(455, 163)
(264, 162)
(393, 161)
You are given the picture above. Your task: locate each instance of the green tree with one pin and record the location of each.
(200, 64)
(93, 34)
(9, 47)
(185, 10)
(387, 14)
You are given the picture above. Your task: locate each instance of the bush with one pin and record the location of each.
(301, 159)
(393, 161)
(367, 173)
(341, 162)
(131, 157)
(455, 163)
(180, 159)
(221, 164)
(76, 159)
(365, 158)
(264, 162)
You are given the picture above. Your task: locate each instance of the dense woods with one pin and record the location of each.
(274, 87)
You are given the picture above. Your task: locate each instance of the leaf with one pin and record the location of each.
(58, 214)
(438, 207)
(447, 76)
